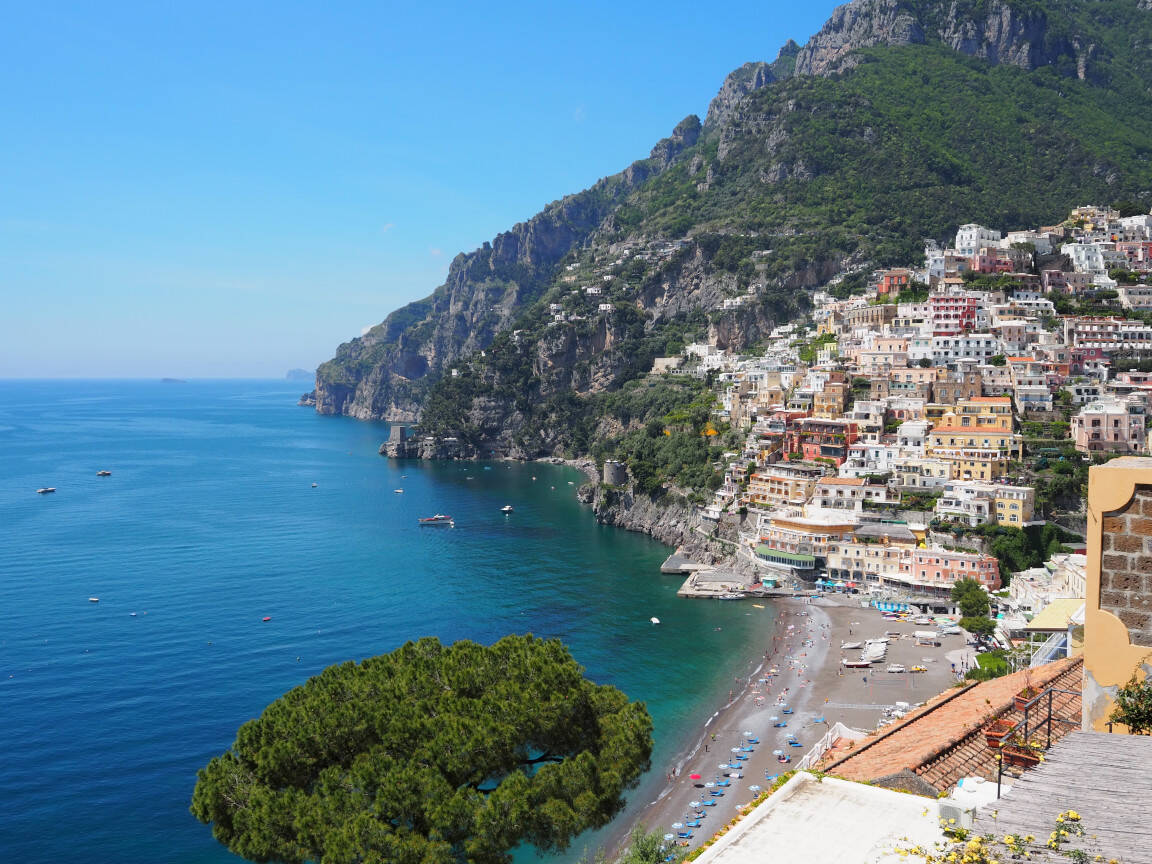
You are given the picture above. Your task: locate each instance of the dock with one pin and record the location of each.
(678, 562)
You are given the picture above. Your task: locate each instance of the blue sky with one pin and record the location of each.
(226, 189)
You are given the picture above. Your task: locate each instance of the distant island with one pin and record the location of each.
(300, 375)
(173, 381)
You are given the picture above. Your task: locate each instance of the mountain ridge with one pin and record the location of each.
(781, 147)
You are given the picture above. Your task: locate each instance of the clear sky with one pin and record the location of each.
(231, 189)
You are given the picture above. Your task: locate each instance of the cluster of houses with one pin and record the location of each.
(894, 411)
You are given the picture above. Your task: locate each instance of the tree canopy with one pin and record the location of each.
(971, 598)
(431, 754)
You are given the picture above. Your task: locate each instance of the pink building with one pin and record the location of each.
(1110, 425)
(941, 569)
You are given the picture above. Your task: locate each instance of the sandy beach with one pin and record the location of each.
(800, 672)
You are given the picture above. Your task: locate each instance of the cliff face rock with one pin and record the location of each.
(860, 24)
(685, 135)
(749, 77)
(998, 31)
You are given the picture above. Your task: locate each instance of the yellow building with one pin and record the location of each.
(976, 437)
(1015, 505)
(783, 484)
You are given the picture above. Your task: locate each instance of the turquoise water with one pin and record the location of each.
(208, 524)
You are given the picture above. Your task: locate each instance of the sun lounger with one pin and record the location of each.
(707, 803)
(716, 793)
(724, 783)
(695, 823)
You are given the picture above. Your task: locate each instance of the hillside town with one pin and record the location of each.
(887, 438)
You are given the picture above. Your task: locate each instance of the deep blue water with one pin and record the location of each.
(208, 524)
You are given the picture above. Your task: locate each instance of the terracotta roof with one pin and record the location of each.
(840, 481)
(943, 741)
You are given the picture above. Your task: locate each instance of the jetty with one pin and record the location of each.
(678, 562)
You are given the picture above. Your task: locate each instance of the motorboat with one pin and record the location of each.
(47, 490)
(314, 485)
(103, 473)
(848, 646)
(654, 620)
(856, 664)
(507, 508)
(398, 491)
(438, 519)
(93, 599)
(895, 667)
(730, 595)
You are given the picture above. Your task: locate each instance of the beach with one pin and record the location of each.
(799, 682)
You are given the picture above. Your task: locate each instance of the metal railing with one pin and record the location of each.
(1045, 700)
(838, 730)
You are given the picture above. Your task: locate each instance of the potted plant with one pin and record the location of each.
(1022, 753)
(1025, 696)
(997, 730)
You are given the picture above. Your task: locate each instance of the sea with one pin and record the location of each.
(242, 544)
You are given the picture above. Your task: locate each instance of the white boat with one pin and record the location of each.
(438, 519)
(507, 508)
(314, 485)
(398, 491)
(654, 620)
(103, 473)
(895, 667)
(855, 664)
(93, 599)
(848, 646)
(46, 490)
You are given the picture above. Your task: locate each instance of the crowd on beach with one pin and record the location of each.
(796, 692)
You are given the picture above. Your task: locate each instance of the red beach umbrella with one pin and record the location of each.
(693, 776)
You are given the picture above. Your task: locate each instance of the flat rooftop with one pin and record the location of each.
(829, 821)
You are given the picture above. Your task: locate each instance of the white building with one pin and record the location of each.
(972, 237)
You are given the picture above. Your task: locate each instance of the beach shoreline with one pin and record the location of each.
(805, 652)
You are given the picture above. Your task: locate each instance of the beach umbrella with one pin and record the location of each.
(753, 787)
(747, 734)
(709, 785)
(723, 765)
(693, 803)
(735, 749)
(677, 825)
(669, 836)
(693, 776)
(777, 752)
(774, 719)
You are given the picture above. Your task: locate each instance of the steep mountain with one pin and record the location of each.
(897, 121)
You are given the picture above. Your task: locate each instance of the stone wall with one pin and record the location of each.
(1117, 611)
(1126, 565)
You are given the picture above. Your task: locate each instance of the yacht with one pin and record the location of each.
(103, 473)
(507, 508)
(438, 519)
(46, 490)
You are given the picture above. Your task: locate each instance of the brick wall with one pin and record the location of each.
(1126, 565)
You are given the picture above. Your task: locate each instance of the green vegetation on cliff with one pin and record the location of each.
(783, 188)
